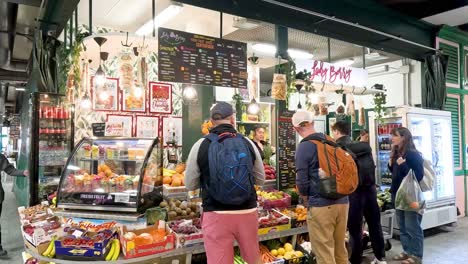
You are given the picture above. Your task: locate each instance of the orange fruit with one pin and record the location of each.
(167, 180)
(176, 182)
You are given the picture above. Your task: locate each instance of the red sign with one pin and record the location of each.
(160, 98)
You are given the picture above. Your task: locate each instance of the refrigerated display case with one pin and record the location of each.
(111, 174)
(431, 132)
(51, 141)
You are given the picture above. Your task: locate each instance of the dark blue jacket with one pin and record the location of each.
(414, 161)
(307, 179)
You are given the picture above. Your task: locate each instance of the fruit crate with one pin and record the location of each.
(275, 223)
(186, 240)
(294, 222)
(168, 190)
(308, 258)
(96, 250)
(132, 249)
(285, 202)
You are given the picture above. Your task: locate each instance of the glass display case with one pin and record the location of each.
(111, 174)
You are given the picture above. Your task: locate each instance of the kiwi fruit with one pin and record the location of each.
(188, 210)
(172, 214)
(194, 207)
(184, 213)
(178, 203)
(163, 204)
(183, 206)
(192, 214)
(179, 211)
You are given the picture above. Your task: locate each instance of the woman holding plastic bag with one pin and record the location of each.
(406, 165)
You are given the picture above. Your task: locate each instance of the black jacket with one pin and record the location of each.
(9, 169)
(363, 157)
(209, 204)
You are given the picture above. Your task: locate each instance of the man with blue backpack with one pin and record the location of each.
(226, 166)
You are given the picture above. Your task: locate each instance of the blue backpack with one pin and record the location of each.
(231, 164)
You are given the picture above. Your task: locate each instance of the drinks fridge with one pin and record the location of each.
(51, 139)
(431, 132)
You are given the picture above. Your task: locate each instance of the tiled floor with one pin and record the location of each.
(440, 247)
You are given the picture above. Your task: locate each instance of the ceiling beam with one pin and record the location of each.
(13, 76)
(36, 3)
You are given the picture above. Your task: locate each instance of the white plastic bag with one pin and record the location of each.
(427, 182)
(409, 196)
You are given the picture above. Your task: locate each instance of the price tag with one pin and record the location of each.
(122, 198)
(77, 233)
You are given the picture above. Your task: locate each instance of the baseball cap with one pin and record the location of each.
(302, 116)
(221, 111)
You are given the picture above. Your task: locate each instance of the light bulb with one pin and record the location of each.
(313, 97)
(103, 96)
(189, 93)
(253, 107)
(86, 102)
(100, 76)
(138, 92)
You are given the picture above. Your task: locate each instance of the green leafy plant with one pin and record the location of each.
(237, 98)
(380, 99)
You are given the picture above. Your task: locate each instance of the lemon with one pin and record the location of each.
(299, 254)
(274, 252)
(288, 255)
(281, 251)
(288, 247)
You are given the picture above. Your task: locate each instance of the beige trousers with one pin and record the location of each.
(327, 232)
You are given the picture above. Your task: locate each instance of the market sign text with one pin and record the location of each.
(323, 72)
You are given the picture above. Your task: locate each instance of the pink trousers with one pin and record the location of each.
(220, 231)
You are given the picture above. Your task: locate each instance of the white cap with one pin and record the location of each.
(302, 116)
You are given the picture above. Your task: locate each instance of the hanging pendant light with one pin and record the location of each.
(253, 107)
(86, 101)
(189, 95)
(100, 75)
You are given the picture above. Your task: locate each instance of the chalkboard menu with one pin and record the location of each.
(191, 58)
(286, 150)
(98, 129)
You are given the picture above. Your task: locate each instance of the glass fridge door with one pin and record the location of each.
(442, 162)
(420, 127)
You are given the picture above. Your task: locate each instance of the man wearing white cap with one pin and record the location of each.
(327, 218)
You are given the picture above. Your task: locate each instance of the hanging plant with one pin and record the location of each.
(69, 58)
(380, 99)
(237, 98)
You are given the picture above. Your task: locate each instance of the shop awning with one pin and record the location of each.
(414, 38)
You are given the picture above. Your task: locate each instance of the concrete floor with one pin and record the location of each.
(440, 247)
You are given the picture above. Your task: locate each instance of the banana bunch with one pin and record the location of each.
(168, 173)
(114, 251)
(50, 251)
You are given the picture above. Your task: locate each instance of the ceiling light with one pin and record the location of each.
(138, 92)
(163, 17)
(266, 48)
(189, 95)
(300, 54)
(20, 89)
(103, 96)
(245, 23)
(344, 63)
(86, 102)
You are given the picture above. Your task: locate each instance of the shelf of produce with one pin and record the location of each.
(98, 215)
(105, 159)
(196, 249)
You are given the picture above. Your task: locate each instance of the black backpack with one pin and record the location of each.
(364, 161)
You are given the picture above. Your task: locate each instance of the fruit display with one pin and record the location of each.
(270, 172)
(298, 215)
(273, 199)
(36, 213)
(147, 241)
(174, 178)
(186, 233)
(271, 218)
(285, 251)
(82, 243)
(294, 195)
(205, 127)
(177, 209)
(50, 251)
(42, 231)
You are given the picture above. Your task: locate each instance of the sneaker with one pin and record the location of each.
(376, 261)
(3, 252)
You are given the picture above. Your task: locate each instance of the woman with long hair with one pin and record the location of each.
(405, 157)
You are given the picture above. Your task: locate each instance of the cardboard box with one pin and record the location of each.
(275, 228)
(132, 250)
(183, 240)
(97, 252)
(98, 224)
(41, 236)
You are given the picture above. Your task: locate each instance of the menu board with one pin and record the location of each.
(191, 58)
(98, 129)
(286, 150)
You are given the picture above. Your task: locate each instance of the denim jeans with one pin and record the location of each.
(411, 232)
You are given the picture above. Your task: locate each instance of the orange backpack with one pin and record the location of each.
(340, 177)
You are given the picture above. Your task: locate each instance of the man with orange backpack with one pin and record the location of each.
(325, 174)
